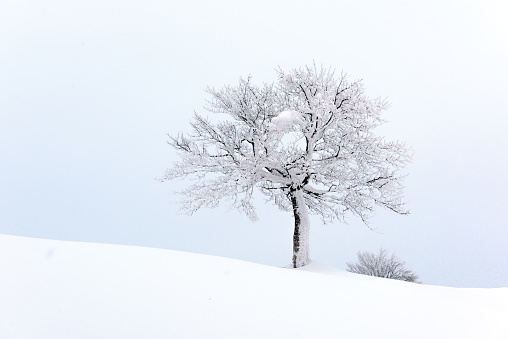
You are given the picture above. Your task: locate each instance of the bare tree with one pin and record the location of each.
(382, 265)
(306, 142)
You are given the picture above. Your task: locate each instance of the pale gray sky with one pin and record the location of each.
(89, 89)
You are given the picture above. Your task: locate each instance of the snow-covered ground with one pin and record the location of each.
(55, 289)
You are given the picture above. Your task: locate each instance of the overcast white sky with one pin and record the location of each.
(89, 90)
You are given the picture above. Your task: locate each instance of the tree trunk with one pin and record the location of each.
(302, 226)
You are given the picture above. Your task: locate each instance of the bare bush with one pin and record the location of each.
(382, 265)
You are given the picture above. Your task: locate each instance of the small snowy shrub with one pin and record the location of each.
(382, 265)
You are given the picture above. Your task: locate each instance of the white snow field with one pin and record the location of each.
(57, 289)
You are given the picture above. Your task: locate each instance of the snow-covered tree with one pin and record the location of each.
(382, 265)
(306, 142)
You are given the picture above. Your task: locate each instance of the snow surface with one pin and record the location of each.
(56, 289)
(286, 119)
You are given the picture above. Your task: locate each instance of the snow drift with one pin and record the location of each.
(56, 289)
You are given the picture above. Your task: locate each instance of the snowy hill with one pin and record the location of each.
(55, 289)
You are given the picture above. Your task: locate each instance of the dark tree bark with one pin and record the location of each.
(301, 255)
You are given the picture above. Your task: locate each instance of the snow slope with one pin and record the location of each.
(55, 289)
